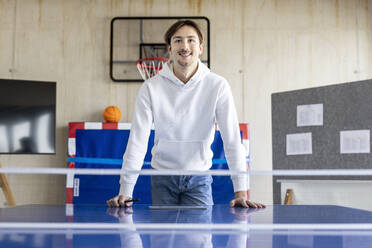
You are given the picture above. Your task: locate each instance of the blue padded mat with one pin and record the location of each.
(108, 143)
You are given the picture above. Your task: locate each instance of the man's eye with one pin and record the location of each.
(191, 40)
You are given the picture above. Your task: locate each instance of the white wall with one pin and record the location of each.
(347, 193)
(261, 47)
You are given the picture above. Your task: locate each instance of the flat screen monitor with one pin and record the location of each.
(27, 117)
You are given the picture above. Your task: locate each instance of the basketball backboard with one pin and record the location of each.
(134, 38)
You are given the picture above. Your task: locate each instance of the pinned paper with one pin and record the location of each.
(299, 144)
(310, 115)
(355, 141)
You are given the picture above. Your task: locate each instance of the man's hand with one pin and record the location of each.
(119, 201)
(242, 201)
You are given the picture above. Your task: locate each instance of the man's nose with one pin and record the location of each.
(184, 44)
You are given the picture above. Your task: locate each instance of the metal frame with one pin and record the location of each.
(142, 45)
(150, 18)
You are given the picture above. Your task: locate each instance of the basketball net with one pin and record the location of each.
(150, 67)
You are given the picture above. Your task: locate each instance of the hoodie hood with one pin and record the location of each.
(201, 72)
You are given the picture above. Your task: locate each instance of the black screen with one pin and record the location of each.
(27, 117)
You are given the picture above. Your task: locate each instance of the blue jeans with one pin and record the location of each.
(181, 190)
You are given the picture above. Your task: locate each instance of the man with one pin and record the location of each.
(184, 101)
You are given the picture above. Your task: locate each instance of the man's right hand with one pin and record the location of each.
(119, 201)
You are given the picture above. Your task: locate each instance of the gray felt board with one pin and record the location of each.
(346, 106)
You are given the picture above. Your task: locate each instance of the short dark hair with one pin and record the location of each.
(173, 29)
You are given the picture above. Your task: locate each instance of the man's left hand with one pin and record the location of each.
(242, 201)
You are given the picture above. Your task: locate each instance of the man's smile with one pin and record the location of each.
(185, 54)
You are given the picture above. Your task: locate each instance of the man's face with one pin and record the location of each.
(185, 47)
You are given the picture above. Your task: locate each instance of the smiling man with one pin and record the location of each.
(184, 101)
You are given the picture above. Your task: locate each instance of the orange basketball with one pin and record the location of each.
(112, 114)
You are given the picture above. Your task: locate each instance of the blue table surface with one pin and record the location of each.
(160, 238)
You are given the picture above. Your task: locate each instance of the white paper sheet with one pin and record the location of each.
(355, 141)
(299, 144)
(310, 115)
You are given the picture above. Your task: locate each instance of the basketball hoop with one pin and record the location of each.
(149, 67)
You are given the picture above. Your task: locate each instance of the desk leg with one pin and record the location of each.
(6, 190)
(288, 197)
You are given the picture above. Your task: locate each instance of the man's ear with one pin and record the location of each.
(201, 48)
(169, 48)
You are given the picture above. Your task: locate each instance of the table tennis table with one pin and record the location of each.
(77, 226)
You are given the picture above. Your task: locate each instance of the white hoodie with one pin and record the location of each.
(184, 117)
